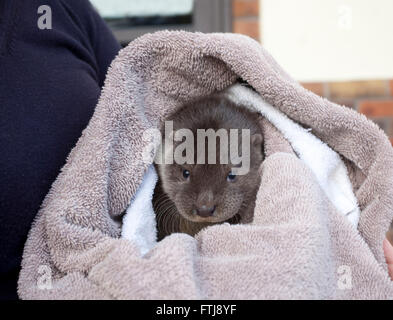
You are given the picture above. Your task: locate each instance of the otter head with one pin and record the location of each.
(203, 191)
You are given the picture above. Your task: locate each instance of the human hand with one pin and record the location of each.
(388, 250)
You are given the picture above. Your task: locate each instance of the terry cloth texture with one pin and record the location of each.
(326, 164)
(50, 82)
(298, 246)
(139, 222)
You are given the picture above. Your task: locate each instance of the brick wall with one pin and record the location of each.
(374, 98)
(245, 17)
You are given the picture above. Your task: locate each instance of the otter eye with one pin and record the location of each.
(186, 174)
(231, 177)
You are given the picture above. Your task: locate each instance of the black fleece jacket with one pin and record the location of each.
(50, 81)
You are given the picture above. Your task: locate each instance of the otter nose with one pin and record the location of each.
(205, 211)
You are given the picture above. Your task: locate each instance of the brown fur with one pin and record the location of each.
(175, 197)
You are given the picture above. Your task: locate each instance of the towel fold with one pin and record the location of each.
(324, 162)
(329, 170)
(299, 245)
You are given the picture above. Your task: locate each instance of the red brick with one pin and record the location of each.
(245, 8)
(315, 87)
(376, 108)
(391, 87)
(391, 127)
(356, 89)
(249, 27)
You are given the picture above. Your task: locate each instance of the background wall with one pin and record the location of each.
(372, 97)
(334, 40)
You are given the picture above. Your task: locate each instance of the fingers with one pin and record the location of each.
(388, 250)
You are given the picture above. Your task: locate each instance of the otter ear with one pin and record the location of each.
(256, 143)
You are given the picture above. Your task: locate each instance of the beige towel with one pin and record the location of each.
(298, 246)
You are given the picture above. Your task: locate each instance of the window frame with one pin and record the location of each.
(208, 16)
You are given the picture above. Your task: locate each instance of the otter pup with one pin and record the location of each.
(191, 196)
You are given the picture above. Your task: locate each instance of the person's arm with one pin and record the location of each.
(50, 82)
(104, 45)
